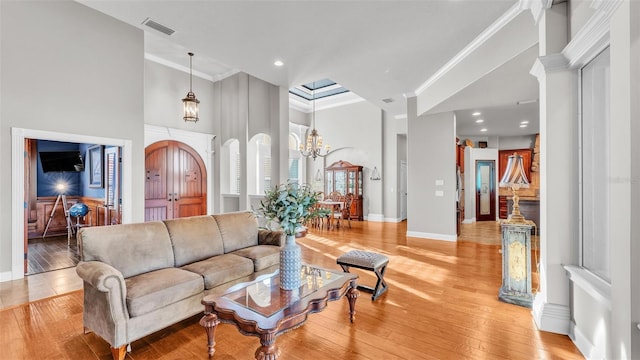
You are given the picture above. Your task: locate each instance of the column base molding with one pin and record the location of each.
(549, 317)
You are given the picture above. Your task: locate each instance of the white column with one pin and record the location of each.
(558, 173)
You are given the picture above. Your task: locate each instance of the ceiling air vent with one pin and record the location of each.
(157, 26)
(388, 100)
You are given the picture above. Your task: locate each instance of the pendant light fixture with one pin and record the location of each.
(190, 103)
(314, 140)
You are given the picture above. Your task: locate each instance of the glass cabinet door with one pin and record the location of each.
(352, 182)
(360, 183)
(341, 182)
(329, 183)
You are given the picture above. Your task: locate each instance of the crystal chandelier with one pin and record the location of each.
(190, 102)
(314, 139)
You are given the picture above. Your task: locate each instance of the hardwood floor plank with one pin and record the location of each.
(442, 303)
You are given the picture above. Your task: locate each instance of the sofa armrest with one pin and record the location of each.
(270, 237)
(105, 307)
(100, 275)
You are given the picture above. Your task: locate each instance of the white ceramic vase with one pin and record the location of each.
(290, 264)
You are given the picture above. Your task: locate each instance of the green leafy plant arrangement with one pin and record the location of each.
(291, 205)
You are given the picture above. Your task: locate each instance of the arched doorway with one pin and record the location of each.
(175, 181)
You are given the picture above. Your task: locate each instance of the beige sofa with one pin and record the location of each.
(140, 278)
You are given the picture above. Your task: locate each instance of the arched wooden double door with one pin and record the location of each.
(176, 181)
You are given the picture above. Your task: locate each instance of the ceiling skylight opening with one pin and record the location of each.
(278, 63)
(479, 121)
(483, 129)
(477, 113)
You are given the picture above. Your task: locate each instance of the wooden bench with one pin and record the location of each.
(367, 260)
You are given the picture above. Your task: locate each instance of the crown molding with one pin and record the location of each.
(300, 104)
(549, 64)
(537, 8)
(593, 37)
(484, 36)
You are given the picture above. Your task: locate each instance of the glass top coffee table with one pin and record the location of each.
(260, 308)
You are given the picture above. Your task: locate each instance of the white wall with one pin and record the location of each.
(67, 68)
(471, 155)
(355, 134)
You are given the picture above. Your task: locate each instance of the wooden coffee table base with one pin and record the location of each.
(268, 350)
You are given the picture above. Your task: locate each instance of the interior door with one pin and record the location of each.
(485, 190)
(176, 183)
(403, 190)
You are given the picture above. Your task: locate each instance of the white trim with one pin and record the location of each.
(328, 102)
(584, 345)
(5, 276)
(551, 317)
(400, 117)
(469, 221)
(484, 36)
(595, 287)
(375, 217)
(18, 135)
(393, 220)
(549, 64)
(431, 236)
(202, 143)
(537, 8)
(593, 37)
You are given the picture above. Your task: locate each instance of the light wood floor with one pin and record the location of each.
(441, 304)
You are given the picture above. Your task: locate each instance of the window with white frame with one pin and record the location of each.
(259, 165)
(230, 163)
(595, 155)
(295, 168)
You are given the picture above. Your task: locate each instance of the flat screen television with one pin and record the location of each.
(56, 161)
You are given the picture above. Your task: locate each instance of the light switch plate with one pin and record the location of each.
(439, 193)
(440, 182)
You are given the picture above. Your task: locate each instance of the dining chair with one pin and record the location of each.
(344, 212)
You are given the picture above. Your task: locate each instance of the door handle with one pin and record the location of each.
(175, 197)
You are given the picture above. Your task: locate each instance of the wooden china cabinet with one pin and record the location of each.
(346, 178)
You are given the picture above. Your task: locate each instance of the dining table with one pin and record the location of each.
(334, 206)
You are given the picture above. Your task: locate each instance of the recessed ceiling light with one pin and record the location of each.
(524, 122)
(523, 125)
(278, 63)
(479, 121)
(483, 129)
(477, 113)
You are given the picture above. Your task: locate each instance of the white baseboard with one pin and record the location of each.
(584, 345)
(443, 237)
(393, 220)
(469, 221)
(376, 217)
(551, 317)
(6, 276)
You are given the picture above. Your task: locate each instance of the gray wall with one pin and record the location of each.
(163, 89)
(69, 69)
(432, 157)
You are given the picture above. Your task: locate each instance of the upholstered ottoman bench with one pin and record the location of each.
(367, 260)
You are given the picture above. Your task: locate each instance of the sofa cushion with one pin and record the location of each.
(154, 290)
(194, 238)
(221, 269)
(131, 248)
(239, 230)
(262, 256)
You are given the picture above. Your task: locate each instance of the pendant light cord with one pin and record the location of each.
(190, 72)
